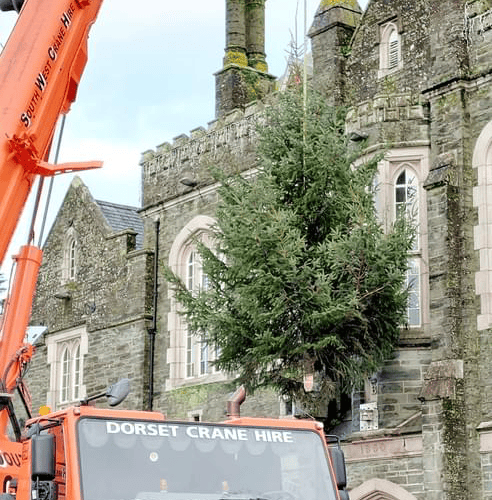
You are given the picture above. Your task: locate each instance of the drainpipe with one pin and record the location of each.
(153, 329)
(235, 401)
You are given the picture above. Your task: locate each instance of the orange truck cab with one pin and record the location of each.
(88, 453)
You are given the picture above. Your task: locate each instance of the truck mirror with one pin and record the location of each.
(11, 5)
(43, 457)
(118, 392)
(338, 460)
(115, 393)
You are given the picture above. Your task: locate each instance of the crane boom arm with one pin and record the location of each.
(40, 69)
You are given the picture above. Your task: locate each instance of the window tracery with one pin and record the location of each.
(65, 354)
(190, 358)
(400, 189)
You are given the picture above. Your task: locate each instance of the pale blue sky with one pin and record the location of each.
(149, 78)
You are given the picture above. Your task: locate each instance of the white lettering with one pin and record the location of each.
(112, 427)
(151, 430)
(262, 436)
(277, 437)
(199, 432)
(230, 433)
(274, 436)
(217, 433)
(127, 428)
(242, 434)
(288, 437)
(192, 432)
(140, 429)
(163, 430)
(204, 432)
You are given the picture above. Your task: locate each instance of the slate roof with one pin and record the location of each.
(121, 217)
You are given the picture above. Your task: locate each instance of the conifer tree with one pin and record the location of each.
(302, 276)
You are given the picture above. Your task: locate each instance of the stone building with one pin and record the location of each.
(417, 78)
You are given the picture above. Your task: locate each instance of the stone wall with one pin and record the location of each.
(412, 18)
(208, 402)
(190, 157)
(394, 459)
(110, 295)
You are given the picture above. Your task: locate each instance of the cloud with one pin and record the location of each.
(120, 174)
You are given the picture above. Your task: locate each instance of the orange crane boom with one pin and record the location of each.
(40, 69)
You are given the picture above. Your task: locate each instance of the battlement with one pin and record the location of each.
(377, 118)
(478, 32)
(394, 107)
(177, 167)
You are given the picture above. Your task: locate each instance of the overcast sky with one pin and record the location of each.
(149, 78)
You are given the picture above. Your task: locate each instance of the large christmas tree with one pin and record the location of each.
(302, 277)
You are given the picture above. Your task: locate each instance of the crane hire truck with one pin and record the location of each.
(89, 453)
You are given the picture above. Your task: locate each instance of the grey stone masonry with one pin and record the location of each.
(164, 170)
(416, 79)
(109, 295)
(331, 31)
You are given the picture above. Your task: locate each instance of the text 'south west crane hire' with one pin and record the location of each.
(42, 79)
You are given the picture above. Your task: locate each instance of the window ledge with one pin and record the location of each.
(201, 380)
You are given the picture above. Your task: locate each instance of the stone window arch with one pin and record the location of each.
(380, 489)
(390, 57)
(65, 355)
(482, 200)
(189, 358)
(407, 199)
(400, 186)
(70, 371)
(70, 256)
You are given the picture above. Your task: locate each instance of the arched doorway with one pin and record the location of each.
(380, 489)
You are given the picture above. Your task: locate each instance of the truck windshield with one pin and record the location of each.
(136, 460)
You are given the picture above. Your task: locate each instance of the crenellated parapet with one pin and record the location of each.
(478, 34)
(391, 119)
(176, 168)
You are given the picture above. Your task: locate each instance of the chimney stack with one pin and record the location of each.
(244, 77)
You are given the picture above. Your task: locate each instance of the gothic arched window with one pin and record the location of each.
(65, 375)
(72, 262)
(70, 256)
(406, 199)
(70, 378)
(399, 190)
(482, 200)
(197, 351)
(65, 356)
(393, 50)
(189, 356)
(390, 58)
